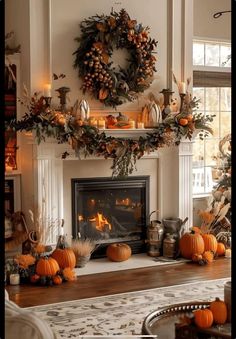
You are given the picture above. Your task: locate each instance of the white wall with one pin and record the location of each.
(204, 25)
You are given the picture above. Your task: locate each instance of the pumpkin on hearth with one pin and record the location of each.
(47, 266)
(203, 318)
(65, 257)
(208, 256)
(210, 242)
(220, 249)
(118, 252)
(219, 310)
(191, 243)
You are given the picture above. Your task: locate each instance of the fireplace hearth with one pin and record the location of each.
(110, 210)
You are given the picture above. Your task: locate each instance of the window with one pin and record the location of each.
(212, 85)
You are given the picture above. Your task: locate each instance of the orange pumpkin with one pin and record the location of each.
(118, 252)
(57, 280)
(103, 93)
(196, 229)
(183, 121)
(191, 243)
(210, 242)
(34, 278)
(47, 266)
(219, 310)
(65, 257)
(220, 249)
(203, 318)
(196, 257)
(208, 256)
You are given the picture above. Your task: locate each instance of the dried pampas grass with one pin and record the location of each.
(82, 247)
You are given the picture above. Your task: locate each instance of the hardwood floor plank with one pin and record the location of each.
(95, 285)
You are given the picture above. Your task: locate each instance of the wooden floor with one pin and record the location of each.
(119, 282)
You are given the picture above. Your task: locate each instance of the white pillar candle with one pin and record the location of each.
(14, 279)
(182, 88)
(47, 90)
(101, 123)
(132, 123)
(140, 125)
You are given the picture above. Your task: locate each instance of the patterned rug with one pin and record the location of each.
(121, 314)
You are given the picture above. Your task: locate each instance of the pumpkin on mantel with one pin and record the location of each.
(191, 243)
(118, 252)
(65, 257)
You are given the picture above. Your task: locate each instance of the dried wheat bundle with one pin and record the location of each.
(83, 247)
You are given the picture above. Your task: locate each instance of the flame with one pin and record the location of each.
(123, 202)
(102, 222)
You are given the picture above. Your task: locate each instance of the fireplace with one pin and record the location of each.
(111, 210)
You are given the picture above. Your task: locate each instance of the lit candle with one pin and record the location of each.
(47, 90)
(101, 123)
(141, 125)
(182, 88)
(132, 123)
(14, 279)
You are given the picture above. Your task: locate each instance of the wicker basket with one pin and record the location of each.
(82, 261)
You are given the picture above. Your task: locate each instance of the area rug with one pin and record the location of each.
(121, 314)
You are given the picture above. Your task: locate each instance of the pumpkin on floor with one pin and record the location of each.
(118, 252)
(210, 242)
(65, 257)
(191, 243)
(219, 310)
(203, 318)
(47, 266)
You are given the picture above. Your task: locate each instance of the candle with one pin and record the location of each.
(228, 253)
(93, 122)
(182, 88)
(132, 123)
(141, 125)
(47, 90)
(14, 279)
(101, 123)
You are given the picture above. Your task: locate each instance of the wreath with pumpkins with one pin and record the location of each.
(99, 36)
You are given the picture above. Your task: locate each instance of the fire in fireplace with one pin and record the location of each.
(111, 210)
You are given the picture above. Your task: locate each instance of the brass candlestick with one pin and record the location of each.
(167, 96)
(62, 95)
(182, 96)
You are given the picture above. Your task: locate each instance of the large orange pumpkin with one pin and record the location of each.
(210, 242)
(47, 266)
(219, 310)
(203, 318)
(118, 252)
(191, 243)
(65, 257)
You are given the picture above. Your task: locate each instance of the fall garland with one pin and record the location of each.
(67, 128)
(100, 34)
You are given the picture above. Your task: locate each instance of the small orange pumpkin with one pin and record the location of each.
(203, 318)
(57, 280)
(210, 242)
(208, 256)
(65, 257)
(191, 243)
(118, 252)
(47, 266)
(183, 121)
(220, 249)
(219, 310)
(196, 257)
(103, 93)
(34, 278)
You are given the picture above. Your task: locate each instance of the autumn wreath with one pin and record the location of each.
(100, 35)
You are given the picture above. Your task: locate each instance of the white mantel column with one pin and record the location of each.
(48, 167)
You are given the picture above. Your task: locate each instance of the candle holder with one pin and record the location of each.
(48, 101)
(167, 93)
(182, 96)
(62, 95)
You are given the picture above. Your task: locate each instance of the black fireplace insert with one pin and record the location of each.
(110, 210)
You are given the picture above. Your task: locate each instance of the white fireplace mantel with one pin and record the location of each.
(174, 179)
